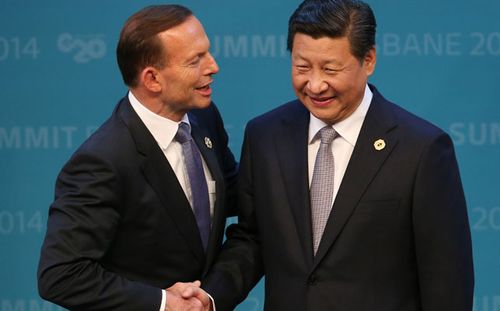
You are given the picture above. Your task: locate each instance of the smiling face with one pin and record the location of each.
(185, 80)
(327, 78)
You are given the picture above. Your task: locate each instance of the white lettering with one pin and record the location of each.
(495, 133)
(453, 44)
(37, 138)
(44, 137)
(11, 139)
(90, 129)
(426, 44)
(391, 43)
(483, 218)
(88, 47)
(17, 48)
(243, 46)
(20, 222)
(487, 303)
(436, 43)
(236, 48)
(456, 132)
(264, 49)
(68, 130)
(28, 305)
(411, 45)
(18, 305)
(283, 46)
(476, 138)
(476, 134)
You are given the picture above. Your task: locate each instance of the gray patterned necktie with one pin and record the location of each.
(197, 181)
(322, 185)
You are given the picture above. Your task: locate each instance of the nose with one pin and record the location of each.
(316, 84)
(212, 67)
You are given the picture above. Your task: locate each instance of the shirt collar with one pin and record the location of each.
(162, 129)
(348, 128)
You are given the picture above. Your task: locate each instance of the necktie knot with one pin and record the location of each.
(183, 134)
(327, 134)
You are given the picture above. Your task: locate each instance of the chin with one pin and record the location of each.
(204, 104)
(324, 116)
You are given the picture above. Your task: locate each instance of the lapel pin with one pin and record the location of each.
(208, 143)
(379, 144)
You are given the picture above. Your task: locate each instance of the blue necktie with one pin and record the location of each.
(196, 176)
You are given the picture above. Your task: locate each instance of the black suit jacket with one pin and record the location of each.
(397, 238)
(120, 228)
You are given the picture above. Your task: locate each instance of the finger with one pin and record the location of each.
(197, 293)
(179, 287)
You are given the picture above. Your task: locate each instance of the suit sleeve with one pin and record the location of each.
(441, 231)
(239, 266)
(81, 226)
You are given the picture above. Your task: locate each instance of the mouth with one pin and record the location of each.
(204, 90)
(322, 101)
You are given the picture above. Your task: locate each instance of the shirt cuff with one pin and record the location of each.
(164, 300)
(213, 302)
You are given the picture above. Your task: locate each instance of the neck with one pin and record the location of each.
(154, 104)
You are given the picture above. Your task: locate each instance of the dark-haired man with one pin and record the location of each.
(346, 201)
(141, 205)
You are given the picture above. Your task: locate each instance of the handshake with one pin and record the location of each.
(187, 297)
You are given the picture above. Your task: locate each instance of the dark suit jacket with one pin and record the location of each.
(120, 228)
(398, 236)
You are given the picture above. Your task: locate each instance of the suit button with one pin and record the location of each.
(313, 280)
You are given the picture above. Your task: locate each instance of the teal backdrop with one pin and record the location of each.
(59, 81)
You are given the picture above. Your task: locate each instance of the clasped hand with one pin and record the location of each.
(187, 297)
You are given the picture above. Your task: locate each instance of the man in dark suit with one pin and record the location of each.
(130, 217)
(347, 201)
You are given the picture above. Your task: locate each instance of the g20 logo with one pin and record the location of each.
(85, 48)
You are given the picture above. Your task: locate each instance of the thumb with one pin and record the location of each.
(189, 292)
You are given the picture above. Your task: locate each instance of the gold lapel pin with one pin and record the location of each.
(208, 143)
(379, 144)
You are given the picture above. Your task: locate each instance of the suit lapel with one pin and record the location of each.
(291, 144)
(162, 179)
(363, 166)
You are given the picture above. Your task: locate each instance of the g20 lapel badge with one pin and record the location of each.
(379, 144)
(208, 143)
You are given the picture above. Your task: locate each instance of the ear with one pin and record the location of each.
(150, 78)
(370, 61)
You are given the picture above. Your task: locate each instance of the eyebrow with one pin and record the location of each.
(194, 56)
(327, 62)
(198, 54)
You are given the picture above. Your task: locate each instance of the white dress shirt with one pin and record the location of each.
(163, 131)
(343, 145)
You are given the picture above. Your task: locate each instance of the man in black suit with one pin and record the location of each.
(346, 201)
(129, 220)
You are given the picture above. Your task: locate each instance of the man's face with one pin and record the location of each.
(187, 76)
(327, 78)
